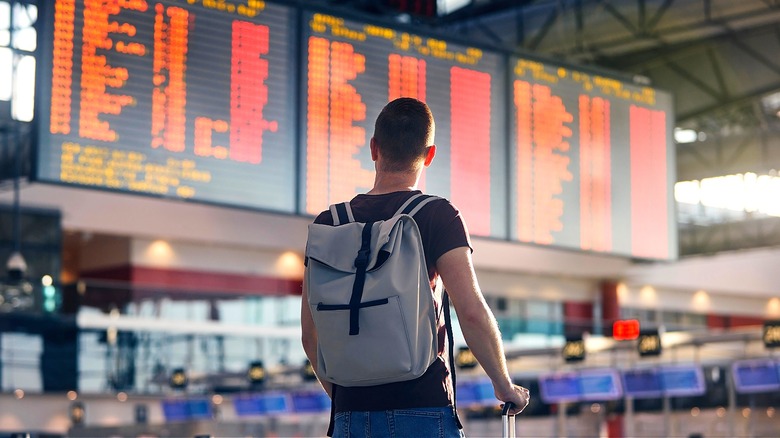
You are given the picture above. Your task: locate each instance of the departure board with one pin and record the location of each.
(353, 69)
(592, 162)
(182, 99)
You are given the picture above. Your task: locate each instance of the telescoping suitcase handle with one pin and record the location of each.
(508, 420)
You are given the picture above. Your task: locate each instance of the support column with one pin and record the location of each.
(577, 317)
(610, 306)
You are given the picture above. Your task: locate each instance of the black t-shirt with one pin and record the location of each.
(441, 229)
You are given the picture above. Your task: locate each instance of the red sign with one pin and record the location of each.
(625, 330)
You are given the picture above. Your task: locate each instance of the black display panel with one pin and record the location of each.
(188, 100)
(353, 69)
(592, 162)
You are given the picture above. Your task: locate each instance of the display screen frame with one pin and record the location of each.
(619, 233)
(40, 133)
(431, 181)
(267, 403)
(649, 387)
(675, 386)
(742, 383)
(502, 221)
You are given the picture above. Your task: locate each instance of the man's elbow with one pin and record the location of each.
(476, 316)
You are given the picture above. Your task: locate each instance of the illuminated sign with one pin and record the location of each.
(256, 373)
(771, 334)
(592, 162)
(178, 379)
(310, 401)
(625, 330)
(187, 100)
(262, 404)
(308, 371)
(642, 383)
(476, 393)
(682, 380)
(187, 410)
(574, 350)
(649, 343)
(353, 69)
(756, 376)
(465, 358)
(591, 385)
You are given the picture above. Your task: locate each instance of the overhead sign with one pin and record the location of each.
(464, 358)
(354, 68)
(625, 329)
(574, 350)
(176, 99)
(771, 334)
(649, 343)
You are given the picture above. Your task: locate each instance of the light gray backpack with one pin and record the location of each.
(370, 297)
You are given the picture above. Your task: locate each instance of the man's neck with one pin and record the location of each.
(389, 182)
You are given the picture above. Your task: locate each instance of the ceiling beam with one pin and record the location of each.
(737, 100)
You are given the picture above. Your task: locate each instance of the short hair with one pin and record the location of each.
(403, 131)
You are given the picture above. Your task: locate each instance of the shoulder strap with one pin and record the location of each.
(342, 213)
(451, 353)
(415, 203)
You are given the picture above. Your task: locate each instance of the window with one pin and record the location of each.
(18, 41)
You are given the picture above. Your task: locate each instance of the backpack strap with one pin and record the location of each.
(415, 203)
(445, 303)
(342, 213)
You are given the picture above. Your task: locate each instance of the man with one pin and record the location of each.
(401, 147)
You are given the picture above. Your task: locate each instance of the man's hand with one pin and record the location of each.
(518, 395)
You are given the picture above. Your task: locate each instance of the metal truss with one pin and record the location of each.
(656, 39)
(745, 234)
(729, 154)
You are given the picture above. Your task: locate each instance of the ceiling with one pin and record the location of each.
(718, 58)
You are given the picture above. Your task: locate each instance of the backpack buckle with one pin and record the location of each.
(362, 259)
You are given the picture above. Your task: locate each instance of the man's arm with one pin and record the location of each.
(478, 323)
(309, 339)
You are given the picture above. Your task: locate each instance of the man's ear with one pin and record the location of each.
(373, 147)
(430, 152)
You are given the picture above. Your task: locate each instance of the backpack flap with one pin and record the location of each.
(337, 247)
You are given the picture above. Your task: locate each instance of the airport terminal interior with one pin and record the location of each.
(616, 163)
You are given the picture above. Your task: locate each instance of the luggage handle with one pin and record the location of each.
(508, 420)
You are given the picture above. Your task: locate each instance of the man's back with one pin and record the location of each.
(441, 229)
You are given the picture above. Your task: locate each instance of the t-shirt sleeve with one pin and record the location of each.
(323, 218)
(446, 230)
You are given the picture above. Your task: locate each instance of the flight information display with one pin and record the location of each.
(181, 99)
(270, 106)
(592, 162)
(353, 69)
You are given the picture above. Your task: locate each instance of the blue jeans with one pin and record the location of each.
(399, 423)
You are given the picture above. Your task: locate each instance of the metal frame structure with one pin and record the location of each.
(714, 56)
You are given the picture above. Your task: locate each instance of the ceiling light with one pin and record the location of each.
(685, 135)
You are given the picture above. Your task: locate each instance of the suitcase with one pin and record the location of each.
(508, 420)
